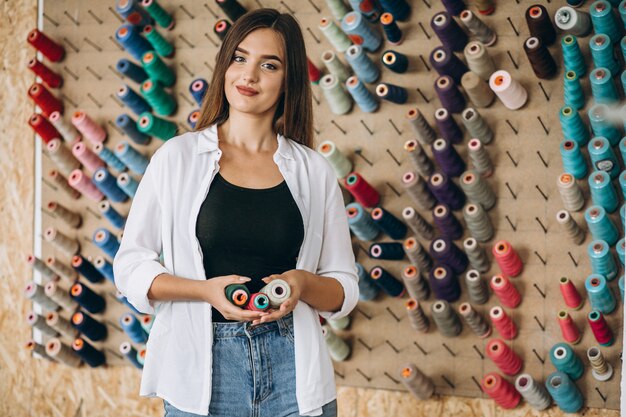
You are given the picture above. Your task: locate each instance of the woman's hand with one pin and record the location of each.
(214, 295)
(296, 279)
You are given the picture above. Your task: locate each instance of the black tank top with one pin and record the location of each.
(250, 232)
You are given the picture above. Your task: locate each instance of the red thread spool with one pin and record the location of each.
(49, 48)
(600, 328)
(503, 323)
(506, 292)
(501, 390)
(46, 101)
(43, 128)
(362, 191)
(568, 328)
(314, 72)
(507, 258)
(504, 357)
(570, 294)
(49, 77)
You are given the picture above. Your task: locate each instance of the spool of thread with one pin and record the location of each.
(477, 190)
(565, 360)
(603, 88)
(507, 258)
(131, 70)
(89, 129)
(448, 159)
(80, 182)
(61, 241)
(476, 255)
(106, 241)
(132, 11)
(574, 99)
(602, 192)
(448, 225)
(193, 118)
(541, 61)
(478, 222)
(392, 32)
(573, 58)
(395, 61)
(60, 324)
(449, 95)
(503, 323)
(600, 368)
(361, 64)
(571, 194)
(446, 319)
(445, 62)
(417, 318)
(387, 282)
(535, 394)
(417, 223)
(130, 353)
(33, 347)
(361, 190)
(131, 157)
(446, 191)
(420, 159)
(258, 302)
(278, 291)
(479, 157)
(425, 134)
(565, 393)
(90, 160)
(510, 92)
(36, 294)
(160, 15)
(572, 125)
(361, 223)
(61, 156)
(600, 294)
(130, 38)
(49, 77)
(105, 268)
(505, 358)
(368, 290)
(478, 60)
(418, 191)
(338, 8)
(572, 21)
(198, 88)
(448, 31)
(61, 352)
(485, 7)
(604, 21)
(601, 260)
(68, 216)
(570, 294)
(569, 331)
(539, 24)
(108, 157)
(338, 99)
(340, 163)
(314, 73)
(339, 324)
(128, 184)
(600, 225)
(360, 32)
(132, 328)
(392, 93)
(87, 269)
(571, 228)
(602, 125)
(415, 284)
(233, 9)
(89, 354)
(446, 252)
(158, 42)
(388, 223)
(418, 255)
(477, 90)
(501, 390)
(48, 48)
(89, 327)
(339, 350)
(335, 66)
(444, 283)
(163, 103)
(601, 49)
(476, 125)
(133, 100)
(335, 36)
(38, 322)
(38, 265)
(600, 328)
(154, 126)
(43, 98)
(454, 7)
(416, 382)
(474, 320)
(62, 183)
(146, 323)
(477, 28)
(506, 292)
(107, 183)
(67, 131)
(43, 128)
(572, 159)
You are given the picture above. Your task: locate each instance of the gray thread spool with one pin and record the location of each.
(480, 157)
(337, 8)
(420, 159)
(474, 320)
(34, 347)
(337, 38)
(415, 283)
(66, 129)
(62, 156)
(70, 217)
(478, 222)
(573, 229)
(277, 291)
(571, 194)
(478, 28)
(477, 189)
(339, 161)
(477, 90)
(62, 353)
(570, 20)
(47, 273)
(416, 382)
(38, 322)
(418, 255)
(425, 133)
(416, 315)
(535, 394)
(335, 66)
(338, 99)
(476, 255)
(418, 190)
(60, 181)
(476, 125)
(60, 295)
(61, 325)
(418, 224)
(476, 287)
(600, 368)
(446, 319)
(37, 294)
(478, 60)
(339, 324)
(337, 347)
(62, 242)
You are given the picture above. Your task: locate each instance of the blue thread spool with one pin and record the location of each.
(444, 283)
(198, 88)
(564, 392)
(600, 295)
(388, 223)
(133, 100)
(620, 284)
(105, 268)
(133, 12)
(565, 360)
(391, 251)
(192, 118)
(109, 157)
(368, 290)
(601, 125)
(362, 65)
(602, 86)
(360, 32)
(128, 184)
(573, 126)
(573, 58)
(600, 225)
(387, 282)
(112, 215)
(133, 159)
(395, 61)
(130, 353)
(363, 97)
(132, 327)
(129, 127)
(87, 298)
(620, 249)
(107, 183)
(602, 157)
(367, 8)
(573, 94)
(573, 161)
(123, 300)
(89, 354)
(601, 259)
(89, 327)
(106, 241)
(392, 93)
(130, 38)
(400, 9)
(391, 29)
(603, 20)
(86, 269)
(131, 70)
(602, 53)
(146, 323)
(361, 223)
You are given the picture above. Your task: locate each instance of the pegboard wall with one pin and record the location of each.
(525, 152)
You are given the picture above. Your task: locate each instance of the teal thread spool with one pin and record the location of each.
(623, 79)
(622, 12)
(602, 191)
(564, 392)
(622, 186)
(600, 225)
(155, 126)
(602, 157)
(622, 210)
(603, 20)
(158, 42)
(601, 125)
(601, 259)
(363, 97)
(600, 295)
(163, 18)
(620, 284)
(573, 94)
(620, 249)
(602, 54)
(162, 102)
(622, 45)
(565, 360)
(573, 161)
(573, 58)
(573, 126)
(602, 86)
(368, 289)
(157, 70)
(622, 149)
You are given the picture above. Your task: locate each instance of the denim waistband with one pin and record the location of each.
(245, 329)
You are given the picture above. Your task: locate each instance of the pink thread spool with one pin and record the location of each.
(570, 294)
(569, 331)
(81, 183)
(501, 390)
(90, 160)
(505, 291)
(90, 129)
(503, 323)
(507, 258)
(504, 357)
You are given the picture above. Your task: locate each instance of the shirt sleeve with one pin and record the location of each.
(136, 263)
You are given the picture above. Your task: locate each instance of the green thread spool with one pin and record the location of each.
(162, 103)
(163, 18)
(158, 42)
(157, 70)
(155, 126)
(237, 294)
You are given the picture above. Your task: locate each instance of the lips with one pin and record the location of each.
(246, 91)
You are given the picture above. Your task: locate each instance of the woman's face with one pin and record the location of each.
(254, 81)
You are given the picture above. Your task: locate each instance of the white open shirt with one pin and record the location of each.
(162, 218)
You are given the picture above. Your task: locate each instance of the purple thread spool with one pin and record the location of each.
(448, 128)
(387, 282)
(444, 251)
(449, 32)
(393, 251)
(446, 223)
(449, 94)
(454, 7)
(446, 191)
(444, 283)
(446, 63)
(448, 159)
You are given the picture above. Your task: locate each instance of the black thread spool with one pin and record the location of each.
(539, 57)
(540, 24)
(232, 8)
(392, 251)
(221, 28)
(387, 282)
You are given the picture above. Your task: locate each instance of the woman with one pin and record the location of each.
(238, 201)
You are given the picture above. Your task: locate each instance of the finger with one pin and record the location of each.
(271, 278)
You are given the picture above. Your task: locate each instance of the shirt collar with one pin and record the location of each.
(208, 142)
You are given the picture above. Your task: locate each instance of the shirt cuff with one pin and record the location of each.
(142, 278)
(350, 298)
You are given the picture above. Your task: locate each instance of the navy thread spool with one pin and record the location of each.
(198, 88)
(131, 70)
(449, 94)
(361, 223)
(388, 223)
(105, 268)
(363, 98)
(87, 298)
(132, 327)
(232, 8)
(392, 31)
(454, 7)
(133, 100)
(395, 61)
(89, 327)
(400, 9)
(89, 354)
(387, 282)
(130, 38)
(448, 159)
(362, 65)
(449, 32)
(86, 269)
(392, 93)
(445, 62)
(107, 183)
(446, 191)
(444, 251)
(447, 224)
(106, 241)
(391, 251)
(129, 127)
(130, 353)
(447, 126)
(368, 290)
(132, 11)
(541, 61)
(192, 118)
(444, 283)
(221, 28)
(540, 24)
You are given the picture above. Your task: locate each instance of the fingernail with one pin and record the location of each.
(244, 279)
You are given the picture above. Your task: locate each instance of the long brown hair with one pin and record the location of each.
(294, 113)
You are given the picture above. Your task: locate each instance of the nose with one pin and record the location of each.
(250, 74)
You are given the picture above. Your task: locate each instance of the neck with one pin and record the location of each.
(251, 132)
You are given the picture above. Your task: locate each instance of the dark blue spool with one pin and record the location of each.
(106, 241)
(444, 283)
(392, 251)
(449, 94)
(107, 183)
(447, 224)
(395, 61)
(131, 70)
(391, 29)
(368, 290)
(393, 93)
(89, 354)
(449, 32)
(448, 128)
(445, 62)
(389, 223)
(89, 327)
(192, 118)
(400, 9)
(446, 191)
(448, 159)
(133, 100)
(130, 353)
(198, 88)
(115, 218)
(130, 38)
(387, 282)
(444, 251)
(87, 269)
(87, 298)
(129, 126)
(132, 327)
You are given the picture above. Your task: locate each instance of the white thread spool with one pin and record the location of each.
(510, 92)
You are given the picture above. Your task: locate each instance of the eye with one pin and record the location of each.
(238, 58)
(270, 66)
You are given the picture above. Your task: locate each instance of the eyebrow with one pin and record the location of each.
(262, 56)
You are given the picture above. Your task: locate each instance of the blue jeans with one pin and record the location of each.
(254, 372)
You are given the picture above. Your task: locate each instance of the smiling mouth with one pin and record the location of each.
(246, 91)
